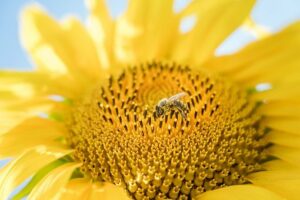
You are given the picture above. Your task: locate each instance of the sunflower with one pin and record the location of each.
(132, 108)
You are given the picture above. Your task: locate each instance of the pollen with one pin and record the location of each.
(118, 138)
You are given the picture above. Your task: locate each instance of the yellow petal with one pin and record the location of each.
(286, 124)
(41, 104)
(101, 27)
(22, 85)
(286, 92)
(56, 48)
(10, 120)
(25, 166)
(157, 39)
(108, 191)
(283, 138)
(216, 20)
(67, 86)
(284, 182)
(288, 154)
(51, 185)
(265, 60)
(60, 111)
(85, 189)
(239, 192)
(84, 51)
(79, 188)
(271, 69)
(14, 111)
(30, 133)
(256, 29)
(279, 165)
(289, 189)
(280, 108)
(269, 176)
(37, 30)
(36, 105)
(142, 34)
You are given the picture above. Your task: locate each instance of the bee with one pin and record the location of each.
(168, 104)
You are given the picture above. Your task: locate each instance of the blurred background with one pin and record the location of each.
(273, 14)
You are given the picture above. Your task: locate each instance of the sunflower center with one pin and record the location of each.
(166, 131)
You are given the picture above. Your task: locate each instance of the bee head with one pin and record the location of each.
(158, 111)
(162, 102)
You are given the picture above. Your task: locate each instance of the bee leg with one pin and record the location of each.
(183, 115)
(154, 114)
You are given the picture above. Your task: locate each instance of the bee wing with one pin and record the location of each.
(177, 96)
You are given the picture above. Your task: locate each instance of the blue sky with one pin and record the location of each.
(274, 14)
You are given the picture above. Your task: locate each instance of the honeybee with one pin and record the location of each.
(173, 102)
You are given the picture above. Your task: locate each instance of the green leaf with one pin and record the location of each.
(39, 175)
(77, 174)
(56, 117)
(251, 90)
(68, 101)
